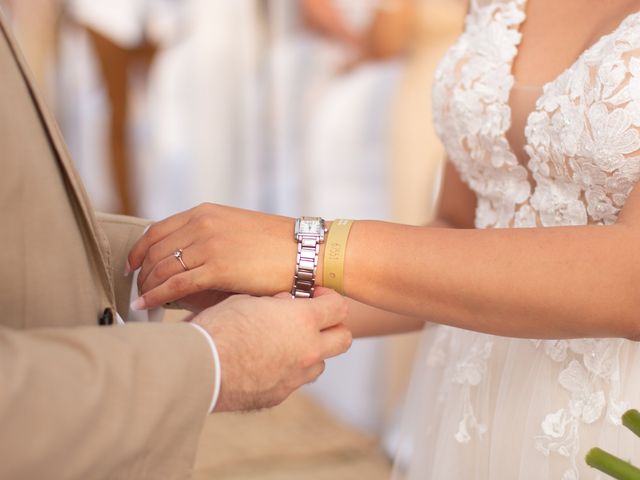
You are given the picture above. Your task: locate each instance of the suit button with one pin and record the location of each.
(106, 318)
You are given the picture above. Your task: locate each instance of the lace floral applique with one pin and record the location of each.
(583, 137)
(592, 380)
(465, 374)
(469, 372)
(438, 351)
(472, 115)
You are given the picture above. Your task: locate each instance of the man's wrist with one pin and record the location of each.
(216, 366)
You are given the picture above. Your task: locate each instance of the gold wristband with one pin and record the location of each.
(334, 253)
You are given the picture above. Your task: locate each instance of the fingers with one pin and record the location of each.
(169, 266)
(183, 238)
(330, 308)
(153, 235)
(175, 288)
(335, 341)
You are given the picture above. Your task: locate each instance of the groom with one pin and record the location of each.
(81, 397)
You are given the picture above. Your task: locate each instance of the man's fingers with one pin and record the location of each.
(335, 341)
(175, 288)
(153, 235)
(330, 308)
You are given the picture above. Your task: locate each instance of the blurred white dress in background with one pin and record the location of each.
(122, 21)
(196, 124)
(331, 130)
(83, 109)
(205, 140)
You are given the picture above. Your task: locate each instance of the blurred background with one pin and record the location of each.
(295, 107)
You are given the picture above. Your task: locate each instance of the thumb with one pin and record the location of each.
(330, 307)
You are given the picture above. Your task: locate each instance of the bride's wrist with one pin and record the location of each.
(321, 258)
(359, 252)
(333, 258)
(309, 235)
(330, 252)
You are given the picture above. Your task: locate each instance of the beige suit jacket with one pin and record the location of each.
(79, 400)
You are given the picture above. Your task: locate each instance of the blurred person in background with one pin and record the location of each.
(205, 139)
(38, 36)
(181, 81)
(337, 63)
(120, 33)
(104, 52)
(530, 263)
(349, 127)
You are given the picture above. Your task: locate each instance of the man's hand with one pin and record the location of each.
(270, 347)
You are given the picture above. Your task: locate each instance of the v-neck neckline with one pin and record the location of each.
(506, 134)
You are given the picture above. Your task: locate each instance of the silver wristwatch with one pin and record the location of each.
(309, 233)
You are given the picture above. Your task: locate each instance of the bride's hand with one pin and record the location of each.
(223, 248)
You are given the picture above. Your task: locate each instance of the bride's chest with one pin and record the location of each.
(577, 159)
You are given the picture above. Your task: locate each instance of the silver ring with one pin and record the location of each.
(178, 255)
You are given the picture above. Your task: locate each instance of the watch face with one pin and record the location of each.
(310, 226)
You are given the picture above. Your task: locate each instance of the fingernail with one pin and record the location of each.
(127, 269)
(138, 304)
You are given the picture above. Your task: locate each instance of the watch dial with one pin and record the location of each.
(308, 227)
(311, 227)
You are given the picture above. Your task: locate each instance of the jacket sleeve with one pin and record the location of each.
(121, 233)
(102, 403)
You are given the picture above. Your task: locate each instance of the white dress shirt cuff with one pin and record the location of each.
(216, 366)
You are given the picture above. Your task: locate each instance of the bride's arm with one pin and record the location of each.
(533, 283)
(537, 283)
(456, 209)
(367, 321)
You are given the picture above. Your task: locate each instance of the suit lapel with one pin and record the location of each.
(78, 196)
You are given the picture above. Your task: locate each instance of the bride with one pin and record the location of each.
(532, 266)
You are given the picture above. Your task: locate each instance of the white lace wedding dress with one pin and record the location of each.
(484, 407)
